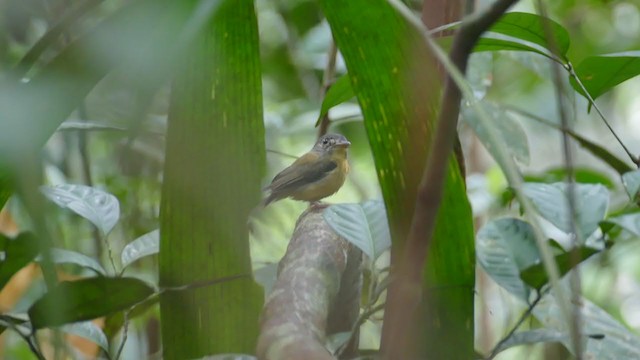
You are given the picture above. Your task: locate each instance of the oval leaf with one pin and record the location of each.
(88, 330)
(87, 299)
(551, 201)
(536, 276)
(18, 253)
(602, 73)
(364, 225)
(62, 256)
(533, 337)
(629, 222)
(492, 44)
(338, 93)
(531, 27)
(510, 131)
(605, 338)
(145, 245)
(631, 182)
(97, 206)
(503, 248)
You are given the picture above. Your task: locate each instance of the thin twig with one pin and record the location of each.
(404, 297)
(125, 333)
(327, 81)
(199, 284)
(573, 74)
(361, 320)
(496, 349)
(281, 153)
(28, 338)
(575, 319)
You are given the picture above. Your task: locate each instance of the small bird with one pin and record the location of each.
(315, 175)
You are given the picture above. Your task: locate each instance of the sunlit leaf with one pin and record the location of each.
(97, 206)
(620, 166)
(338, 93)
(87, 299)
(364, 225)
(511, 132)
(17, 254)
(551, 202)
(602, 73)
(536, 276)
(531, 27)
(581, 175)
(87, 330)
(631, 182)
(62, 256)
(145, 245)
(266, 276)
(503, 248)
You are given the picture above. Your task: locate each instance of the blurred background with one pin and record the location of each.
(115, 141)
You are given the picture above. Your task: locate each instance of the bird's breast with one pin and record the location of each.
(324, 187)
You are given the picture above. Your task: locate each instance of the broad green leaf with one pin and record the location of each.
(97, 206)
(605, 338)
(551, 202)
(602, 73)
(17, 254)
(581, 175)
(503, 248)
(88, 330)
(533, 337)
(62, 256)
(631, 182)
(399, 97)
(364, 225)
(536, 276)
(86, 299)
(511, 132)
(338, 93)
(6, 186)
(145, 245)
(492, 44)
(531, 27)
(629, 222)
(602, 153)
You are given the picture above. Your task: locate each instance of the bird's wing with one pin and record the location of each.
(301, 173)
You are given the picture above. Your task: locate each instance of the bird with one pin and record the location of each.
(314, 175)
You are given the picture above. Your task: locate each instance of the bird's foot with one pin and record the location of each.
(314, 205)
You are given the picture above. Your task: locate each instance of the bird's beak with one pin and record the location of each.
(343, 143)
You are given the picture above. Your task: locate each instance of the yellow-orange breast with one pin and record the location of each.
(327, 186)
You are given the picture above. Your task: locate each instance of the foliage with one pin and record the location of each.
(92, 82)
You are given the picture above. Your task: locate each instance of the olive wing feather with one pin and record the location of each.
(298, 175)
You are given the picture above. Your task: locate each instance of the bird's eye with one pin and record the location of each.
(325, 141)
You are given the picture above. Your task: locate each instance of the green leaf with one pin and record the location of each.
(338, 93)
(62, 256)
(551, 202)
(511, 132)
(492, 44)
(629, 222)
(581, 175)
(145, 245)
(605, 338)
(631, 182)
(536, 276)
(18, 253)
(620, 166)
(503, 248)
(87, 299)
(531, 27)
(97, 206)
(88, 330)
(364, 225)
(602, 73)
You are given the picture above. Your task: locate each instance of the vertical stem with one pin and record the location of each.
(327, 81)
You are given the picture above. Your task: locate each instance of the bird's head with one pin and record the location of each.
(331, 143)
